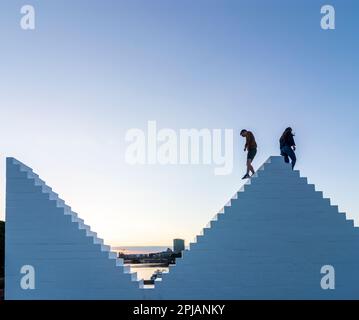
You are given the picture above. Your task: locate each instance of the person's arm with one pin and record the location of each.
(292, 142)
(247, 142)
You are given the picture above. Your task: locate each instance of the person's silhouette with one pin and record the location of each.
(251, 146)
(287, 146)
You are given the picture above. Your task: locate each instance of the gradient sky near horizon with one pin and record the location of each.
(94, 69)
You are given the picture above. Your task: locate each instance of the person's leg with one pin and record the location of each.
(251, 154)
(249, 166)
(284, 154)
(292, 157)
(286, 159)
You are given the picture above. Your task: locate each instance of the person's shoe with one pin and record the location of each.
(246, 176)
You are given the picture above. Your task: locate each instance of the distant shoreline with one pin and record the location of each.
(139, 249)
(148, 265)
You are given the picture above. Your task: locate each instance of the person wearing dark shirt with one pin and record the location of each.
(287, 146)
(251, 146)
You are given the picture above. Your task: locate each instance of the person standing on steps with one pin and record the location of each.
(287, 146)
(251, 146)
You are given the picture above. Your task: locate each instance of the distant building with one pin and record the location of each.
(178, 245)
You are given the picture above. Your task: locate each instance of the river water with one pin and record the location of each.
(146, 270)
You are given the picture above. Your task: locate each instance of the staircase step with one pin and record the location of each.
(119, 262)
(90, 233)
(76, 219)
(106, 248)
(84, 226)
(133, 276)
(126, 269)
(97, 240)
(205, 231)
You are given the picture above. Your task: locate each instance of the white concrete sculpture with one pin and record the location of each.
(68, 259)
(277, 238)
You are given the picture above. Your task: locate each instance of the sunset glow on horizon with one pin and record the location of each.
(90, 72)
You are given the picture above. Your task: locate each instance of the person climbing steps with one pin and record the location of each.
(287, 146)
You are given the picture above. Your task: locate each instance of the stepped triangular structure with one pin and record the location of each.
(271, 241)
(275, 239)
(69, 260)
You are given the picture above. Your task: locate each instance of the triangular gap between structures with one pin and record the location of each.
(60, 203)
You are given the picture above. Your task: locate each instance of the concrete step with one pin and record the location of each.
(106, 248)
(90, 233)
(112, 255)
(84, 226)
(119, 262)
(275, 180)
(97, 240)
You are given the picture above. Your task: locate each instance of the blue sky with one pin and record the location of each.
(91, 70)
